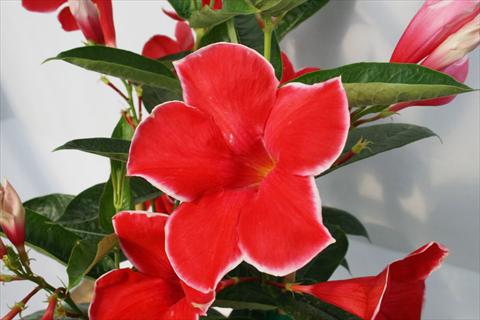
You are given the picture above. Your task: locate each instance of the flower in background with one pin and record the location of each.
(289, 73)
(396, 293)
(217, 4)
(160, 46)
(93, 17)
(50, 312)
(241, 154)
(12, 215)
(153, 290)
(162, 204)
(439, 37)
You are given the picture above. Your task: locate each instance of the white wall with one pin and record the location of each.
(426, 191)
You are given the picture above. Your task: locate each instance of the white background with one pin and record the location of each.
(426, 191)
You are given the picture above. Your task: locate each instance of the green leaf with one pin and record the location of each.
(39, 314)
(245, 296)
(51, 206)
(346, 221)
(84, 207)
(387, 83)
(206, 17)
(153, 96)
(122, 64)
(142, 190)
(297, 15)
(276, 7)
(250, 34)
(116, 149)
(384, 137)
(326, 262)
(85, 255)
(219, 33)
(182, 7)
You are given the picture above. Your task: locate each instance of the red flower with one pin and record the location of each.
(395, 294)
(93, 17)
(153, 291)
(241, 153)
(289, 73)
(217, 4)
(440, 36)
(160, 46)
(162, 204)
(50, 312)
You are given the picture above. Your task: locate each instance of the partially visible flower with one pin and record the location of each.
(50, 312)
(395, 294)
(241, 153)
(12, 215)
(173, 15)
(153, 290)
(160, 46)
(162, 204)
(217, 4)
(3, 249)
(440, 36)
(93, 17)
(288, 71)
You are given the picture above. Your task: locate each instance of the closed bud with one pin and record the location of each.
(12, 215)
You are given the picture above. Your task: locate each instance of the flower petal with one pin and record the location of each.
(87, 17)
(202, 238)
(395, 294)
(142, 238)
(181, 151)
(184, 36)
(181, 310)
(282, 229)
(201, 301)
(105, 13)
(434, 22)
(67, 20)
(308, 126)
(288, 72)
(172, 14)
(42, 6)
(160, 46)
(125, 294)
(235, 85)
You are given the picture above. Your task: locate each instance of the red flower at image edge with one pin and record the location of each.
(160, 46)
(395, 294)
(241, 154)
(153, 291)
(93, 17)
(288, 71)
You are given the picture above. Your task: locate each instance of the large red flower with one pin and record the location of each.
(153, 291)
(160, 46)
(93, 17)
(395, 294)
(241, 154)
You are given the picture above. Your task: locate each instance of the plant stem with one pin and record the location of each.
(267, 37)
(232, 33)
(116, 256)
(20, 306)
(129, 88)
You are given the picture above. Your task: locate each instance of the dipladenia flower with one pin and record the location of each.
(12, 215)
(394, 294)
(93, 17)
(160, 46)
(241, 154)
(440, 36)
(288, 71)
(153, 291)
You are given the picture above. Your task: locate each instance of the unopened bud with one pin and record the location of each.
(12, 214)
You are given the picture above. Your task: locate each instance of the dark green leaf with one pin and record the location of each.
(276, 7)
(182, 7)
(153, 96)
(297, 15)
(116, 149)
(51, 206)
(219, 33)
(387, 83)
(384, 137)
(245, 296)
(122, 64)
(142, 190)
(326, 262)
(84, 207)
(39, 314)
(346, 221)
(206, 17)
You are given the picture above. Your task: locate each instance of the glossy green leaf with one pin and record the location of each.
(142, 190)
(297, 15)
(206, 17)
(86, 254)
(245, 296)
(387, 83)
(326, 262)
(116, 149)
(383, 137)
(344, 220)
(276, 7)
(84, 207)
(51, 206)
(153, 96)
(122, 64)
(182, 7)
(219, 33)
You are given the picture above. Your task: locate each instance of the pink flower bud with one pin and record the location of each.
(88, 20)
(12, 215)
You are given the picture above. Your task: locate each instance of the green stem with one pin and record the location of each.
(129, 88)
(116, 255)
(232, 33)
(267, 37)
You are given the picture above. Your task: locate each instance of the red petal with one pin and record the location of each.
(433, 23)
(199, 300)
(43, 5)
(202, 238)
(67, 21)
(308, 127)
(181, 310)
(288, 72)
(124, 295)
(173, 15)
(164, 204)
(394, 294)
(105, 13)
(87, 16)
(306, 70)
(160, 46)
(184, 36)
(235, 85)
(282, 229)
(180, 150)
(142, 238)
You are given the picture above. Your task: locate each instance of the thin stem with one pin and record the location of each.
(267, 37)
(232, 33)
(21, 305)
(129, 88)
(140, 116)
(116, 256)
(111, 85)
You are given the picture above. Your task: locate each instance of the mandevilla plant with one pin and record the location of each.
(212, 194)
